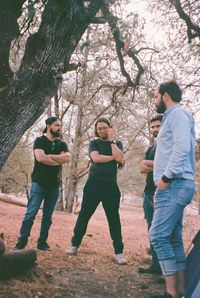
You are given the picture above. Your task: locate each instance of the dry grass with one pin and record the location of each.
(92, 273)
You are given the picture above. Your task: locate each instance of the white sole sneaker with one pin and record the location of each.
(120, 259)
(73, 250)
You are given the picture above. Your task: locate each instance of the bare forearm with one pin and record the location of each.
(44, 158)
(61, 158)
(117, 154)
(102, 158)
(47, 160)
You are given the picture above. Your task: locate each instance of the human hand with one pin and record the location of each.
(111, 134)
(161, 184)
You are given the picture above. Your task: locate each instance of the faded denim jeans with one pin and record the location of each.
(37, 195)
(166, 229)
(148, 213)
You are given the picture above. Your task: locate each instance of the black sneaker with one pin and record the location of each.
(150, 270)
(20, 244)
(43, 246)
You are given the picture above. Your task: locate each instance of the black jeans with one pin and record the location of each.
(95, 192)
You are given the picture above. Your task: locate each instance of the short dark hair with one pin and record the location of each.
(156, 118)
(49, 121)
(173, 89)
(98, 121)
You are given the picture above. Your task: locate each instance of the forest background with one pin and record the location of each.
(80, 60)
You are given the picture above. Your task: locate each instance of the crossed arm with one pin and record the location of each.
(51, 159)
(117, 155)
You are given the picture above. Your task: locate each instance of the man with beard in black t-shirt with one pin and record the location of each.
(50, 153)
(146, 167)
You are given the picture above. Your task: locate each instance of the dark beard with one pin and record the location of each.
(155, 134)
(161, 108)
(55, 134)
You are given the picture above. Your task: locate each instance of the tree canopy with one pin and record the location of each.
(46, 33)
(25, 94)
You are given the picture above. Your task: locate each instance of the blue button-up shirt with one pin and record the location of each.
(175, 153)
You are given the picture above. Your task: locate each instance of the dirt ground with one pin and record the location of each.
(93, 272)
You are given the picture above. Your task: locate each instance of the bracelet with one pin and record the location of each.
(113, 142)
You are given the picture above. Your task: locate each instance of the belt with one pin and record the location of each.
(180, 178)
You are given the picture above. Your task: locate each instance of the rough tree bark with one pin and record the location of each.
(59, 205)
(25, 94)
(73, 179)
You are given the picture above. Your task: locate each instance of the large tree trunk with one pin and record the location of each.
(74, 173)
(71, 194)
(59, 205)
(73, 178)
(24, 97)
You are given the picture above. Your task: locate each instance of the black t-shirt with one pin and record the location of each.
(150, 186)
(46, 175)
(103, 171)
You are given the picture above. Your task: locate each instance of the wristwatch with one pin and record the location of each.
(112, 142)
(166, 179)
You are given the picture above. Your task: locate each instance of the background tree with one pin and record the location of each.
(46, 53)
(15, 176)
(25, 94)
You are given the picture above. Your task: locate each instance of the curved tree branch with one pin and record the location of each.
(120, 46)
(9, 12)
(47, 55)
(193, 30)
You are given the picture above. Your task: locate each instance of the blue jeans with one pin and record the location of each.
(166, 228)
(148, 212)
(37, 195)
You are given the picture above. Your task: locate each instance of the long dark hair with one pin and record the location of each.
(101, 120)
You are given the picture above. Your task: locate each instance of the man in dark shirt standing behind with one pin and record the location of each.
(101, 186)
(50, 153)
(146, 167)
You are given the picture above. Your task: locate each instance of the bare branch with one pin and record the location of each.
(65, 111)
(134, 138)
(72, 67)
(193, 30)
(120, 45)
(98, 20)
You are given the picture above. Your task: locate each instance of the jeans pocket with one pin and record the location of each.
(185, 194)
(161, 194)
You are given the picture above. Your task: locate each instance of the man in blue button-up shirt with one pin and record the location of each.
(174, 167)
